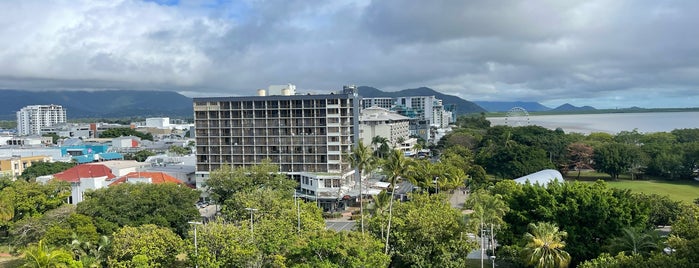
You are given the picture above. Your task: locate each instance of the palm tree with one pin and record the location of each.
(545, 245)
(7, 211)
(633, 241)
(487, 209)
(381, 148)
(395, 168)
(379, 208)
(362, 160)
(421, 174)
(43, 256)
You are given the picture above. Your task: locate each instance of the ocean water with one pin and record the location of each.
(609, 123)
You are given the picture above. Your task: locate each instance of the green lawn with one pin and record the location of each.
(677, 190)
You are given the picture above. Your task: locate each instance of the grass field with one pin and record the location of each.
(677, 190)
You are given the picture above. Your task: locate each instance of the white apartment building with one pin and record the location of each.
(442, 117)
(158, 122)
(377, 121)
(383, 102)
(308, 136)
(423, 106)
(31, 119)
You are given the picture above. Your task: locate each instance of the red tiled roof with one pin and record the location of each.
(78, 172)
(155, 178)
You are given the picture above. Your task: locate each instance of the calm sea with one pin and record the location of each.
(610, 123)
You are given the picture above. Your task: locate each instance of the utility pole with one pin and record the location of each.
(252, 228)
(196, 250)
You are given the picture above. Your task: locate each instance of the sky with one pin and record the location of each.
(603, 53)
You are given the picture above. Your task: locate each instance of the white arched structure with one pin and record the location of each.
(542, 178)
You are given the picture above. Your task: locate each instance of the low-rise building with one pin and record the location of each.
(13, 166)
(146, 177)
(82, 178)
(122, 167)
(376, 121)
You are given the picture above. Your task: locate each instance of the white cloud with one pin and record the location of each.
(591, 52)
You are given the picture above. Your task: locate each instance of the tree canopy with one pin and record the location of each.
(168, 205)
(45, 168)
(124, 131)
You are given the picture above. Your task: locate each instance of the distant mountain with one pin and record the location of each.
(571, 108)
(99, 104)
(504, 106)
(462, 106)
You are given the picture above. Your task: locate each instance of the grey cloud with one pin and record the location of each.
(597, 50)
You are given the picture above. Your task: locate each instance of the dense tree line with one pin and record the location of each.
(124, 131)
(261, 224)
(45, 168)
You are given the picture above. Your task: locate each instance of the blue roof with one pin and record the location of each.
(88, 158)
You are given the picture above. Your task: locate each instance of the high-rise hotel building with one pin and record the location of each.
(308, 136)
(31, 119)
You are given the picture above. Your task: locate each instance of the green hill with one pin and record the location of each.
(99, 104)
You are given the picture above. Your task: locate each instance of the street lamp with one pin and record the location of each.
(252, 229)
(196, 250)
(298, 211)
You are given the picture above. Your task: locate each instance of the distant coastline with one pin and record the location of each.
(603, 111)
(657, 121)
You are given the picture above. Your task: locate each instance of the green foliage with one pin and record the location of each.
(179, 150)
(616, 158)
(545, 245)
(488, 209)
(577, 208)
(273, 204)
(327, 248)
(512, 160)
(463, 158)
(7, 124)
(381, 147)
(148, 244)
(362, 160)
(168, 205)
(225, 182)
(32, 199)
(687, 224)
(223, 245)
(434, 177)
(686, 135)
(277, 240)
(427, 232)
(139, 156)
(657, 260)
(121, 132)
(396, 168)
(54, 137)
(74, 227)
(467, 138)
(663, 210)
(635, 241)
(473, 121)
(44, 256)
(45, 168)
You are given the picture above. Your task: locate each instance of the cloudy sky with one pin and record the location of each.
(605, 53)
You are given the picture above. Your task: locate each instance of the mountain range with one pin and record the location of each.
(530, 106)
(461, 106)
(132, 103)
(99, 104)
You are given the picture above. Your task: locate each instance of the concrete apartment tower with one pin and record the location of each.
(31, 119)
(308, 136)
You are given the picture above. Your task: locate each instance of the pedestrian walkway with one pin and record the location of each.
(458, 198)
